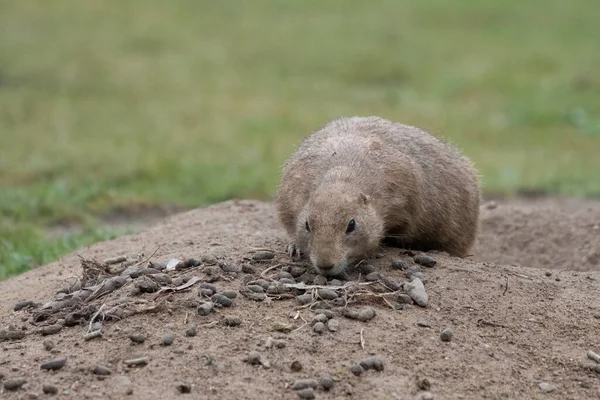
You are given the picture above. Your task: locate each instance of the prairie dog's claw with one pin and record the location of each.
(293, 252)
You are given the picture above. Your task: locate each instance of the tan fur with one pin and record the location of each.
(396, 181)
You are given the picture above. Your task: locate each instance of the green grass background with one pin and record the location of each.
(120, 104)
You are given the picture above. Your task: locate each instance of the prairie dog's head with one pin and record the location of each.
(339, 226)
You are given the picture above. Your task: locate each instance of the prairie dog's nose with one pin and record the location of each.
(325, 266)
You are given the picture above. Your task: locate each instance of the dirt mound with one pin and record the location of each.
(516, 332)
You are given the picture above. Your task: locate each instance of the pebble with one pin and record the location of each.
(296, 366)
(328, 313)
(232, 294)
(319, 327)
(357, 370)
(253, 358)
(263, 255)
(284, 275)
(304, 298)
(288, 281)
(319, 318)
(230, 267)
(399, 264)
(178, 281)
(424, 384)
(48, 388)
(366, 314)
(423, 324)
(327, 294)
(446, 335)
(416, 290)
(48, 345)
(372, 362)
(248, 269)
(54, 365)
(161, 278)
(548, 273)
(367, 268)
(184, 387)
(191, 332)
(297, 271)
(157, 265)
(168, 339)
(249, 294)
(333, 325)
(96, 326)
(23, 304)
(51, 329)
(326, 382)
(404, 299)
(335, 282)
(256, 288)
(426, 396)
(305, 383)
(101, 370)
(203, 292)
(14, 384)
(206, 285)
(231, 320)
(137, 337)
(372, 276)
(390, 284)
(208, 259)
(546, 387)
(320, 280)
(218, 298)
(425, 261)
(260, 282)
(308, 393)
(206, 308)
(349, 313)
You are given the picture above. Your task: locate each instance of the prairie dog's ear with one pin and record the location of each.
(363, 198)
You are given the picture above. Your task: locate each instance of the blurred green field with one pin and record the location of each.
(112, 105)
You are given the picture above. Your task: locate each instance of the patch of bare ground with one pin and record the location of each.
(235, 318)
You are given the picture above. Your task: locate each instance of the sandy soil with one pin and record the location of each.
(520, 331)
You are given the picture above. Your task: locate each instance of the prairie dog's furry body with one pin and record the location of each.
(359, 180)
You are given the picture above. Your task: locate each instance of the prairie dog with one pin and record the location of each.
(360, 180)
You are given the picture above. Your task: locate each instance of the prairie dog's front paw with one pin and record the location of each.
(293, 251)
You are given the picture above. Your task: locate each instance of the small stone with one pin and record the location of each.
(320, 280)
(349, 313)
(208, 259)
(14, 384)
(320, 318)
(184, 387)
(326, 382)
(296, 366)
(101, 370)
(146, 285)
(168, 339)
(297, 271)
(191, 331)
(333, 325)
(335, 282)
(232, 320)
(357, 370)
(416, 290)
(366, 314)
(546, 387)
(423, 324)
(48, 388)
(424, 384)
(425, 261)
(548, 273)
(327, 294)
(304, 298)
(284, 275)
(161, 279)
(372, 277)
(255, 296)
(54, 365)
(372, 362)
(328, 313)
(446, 335)
(263, 255)
(287, 281)
(248, 269)
(96, 326)
(308, 393)
(404, 299)
(206, 308)
(51, 329)
(280, 344)
(218, 298)
(366, 268)
(48, 345)
(157, 265)
(137, 338)
(426, 396)
(319, 327)
(23, 304)
(399, 264)
(412, 270)
(206, 285)
(260, 282)
(256, 288)
(253, 358)
(282, 327)
(203, 292)
(390, 284)
(305, 383)
(232, 294)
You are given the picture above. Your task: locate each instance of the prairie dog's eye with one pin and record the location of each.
(306, 226)
(351, 226)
